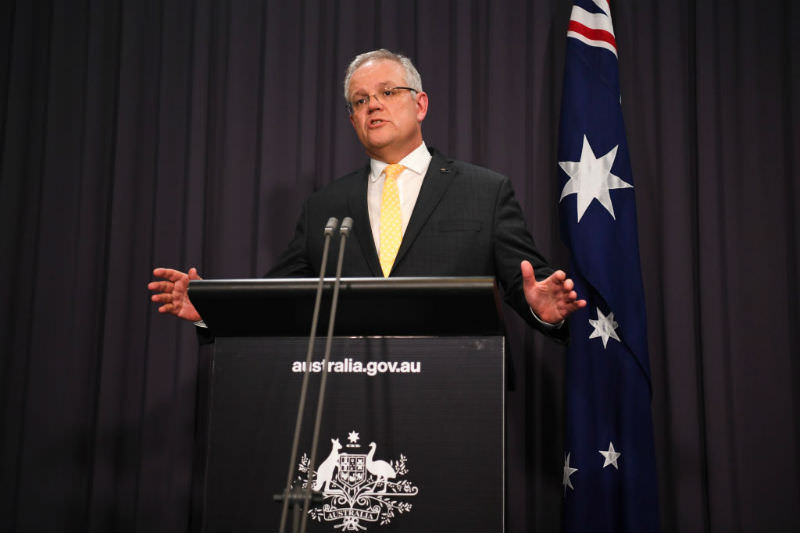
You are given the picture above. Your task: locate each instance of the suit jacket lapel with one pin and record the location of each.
(438, 178)
(357, 202)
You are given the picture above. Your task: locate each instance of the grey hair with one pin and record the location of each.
(413, 78)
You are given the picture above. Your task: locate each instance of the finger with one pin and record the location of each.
(573, 296)
(163, 297)
(528, 275)
(168, 273)
(160, 286)
(193, 274)
(166, 308)
(577, 304)
(554, 282)
(569, 284)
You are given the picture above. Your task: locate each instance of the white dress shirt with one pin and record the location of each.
(409, 183)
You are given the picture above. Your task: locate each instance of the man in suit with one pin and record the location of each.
(415, 212)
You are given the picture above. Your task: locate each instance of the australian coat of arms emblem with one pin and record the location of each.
(357, 489)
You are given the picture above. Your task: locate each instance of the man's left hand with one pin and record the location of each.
(552, 299)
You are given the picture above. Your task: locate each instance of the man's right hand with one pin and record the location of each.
(173, 293)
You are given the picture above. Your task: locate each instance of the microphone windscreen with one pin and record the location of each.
(330, 227)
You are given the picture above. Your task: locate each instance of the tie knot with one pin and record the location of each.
(394, 170)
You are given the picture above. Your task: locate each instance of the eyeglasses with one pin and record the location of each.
(387, 95)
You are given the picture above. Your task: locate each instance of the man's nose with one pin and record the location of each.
(374, 103)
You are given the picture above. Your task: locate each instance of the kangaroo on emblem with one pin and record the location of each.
(325, 470)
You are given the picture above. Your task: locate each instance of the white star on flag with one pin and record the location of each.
(604, 327)
(591, 179)
(611, 456)
(353, 437)
(568, 471)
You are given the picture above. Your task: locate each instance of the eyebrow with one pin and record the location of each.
(383, 84)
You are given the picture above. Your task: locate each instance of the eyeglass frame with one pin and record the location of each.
(349, 105)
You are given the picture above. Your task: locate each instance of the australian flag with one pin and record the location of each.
(609, 460)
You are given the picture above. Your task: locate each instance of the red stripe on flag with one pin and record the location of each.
(590, 33)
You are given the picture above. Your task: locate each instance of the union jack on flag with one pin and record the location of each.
(609, 470)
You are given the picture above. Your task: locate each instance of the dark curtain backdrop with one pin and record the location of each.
(143, 133)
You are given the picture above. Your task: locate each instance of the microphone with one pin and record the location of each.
(344, 231)
(347, 225)
(330, 228)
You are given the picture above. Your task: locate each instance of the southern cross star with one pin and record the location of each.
(604, 327)
(591, 179)
(611, 456)
(568, 471)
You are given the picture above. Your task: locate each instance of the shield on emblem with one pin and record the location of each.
(352, 468)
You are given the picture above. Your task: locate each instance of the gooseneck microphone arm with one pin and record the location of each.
(344, 231)
(330, 228)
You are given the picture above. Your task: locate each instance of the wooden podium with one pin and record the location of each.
(412, 437)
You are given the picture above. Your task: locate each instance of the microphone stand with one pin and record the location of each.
(287, 495)
(347, 225)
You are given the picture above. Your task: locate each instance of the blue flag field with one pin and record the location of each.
(609, 475)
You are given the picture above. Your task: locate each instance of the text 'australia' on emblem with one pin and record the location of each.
(357, 488)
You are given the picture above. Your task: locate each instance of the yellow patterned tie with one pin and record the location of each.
(391, 219)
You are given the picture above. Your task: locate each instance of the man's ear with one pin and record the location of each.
(422, 106)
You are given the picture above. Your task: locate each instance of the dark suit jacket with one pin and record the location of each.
(466, 222)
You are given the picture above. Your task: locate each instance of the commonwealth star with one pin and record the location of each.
(591, 179)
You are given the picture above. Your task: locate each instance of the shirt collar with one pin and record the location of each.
(417, 161)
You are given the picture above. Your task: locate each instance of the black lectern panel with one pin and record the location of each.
(367, 306)
(412, 436)
(411, 439)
